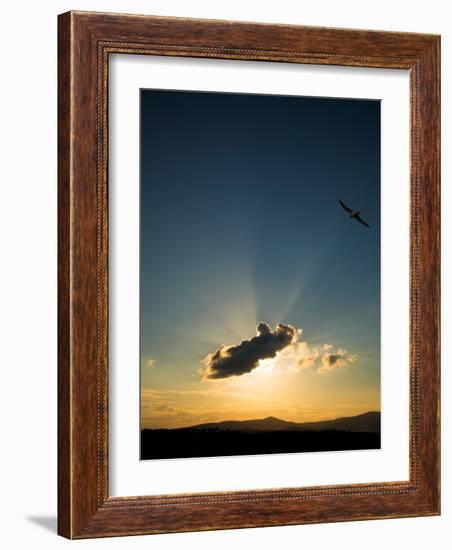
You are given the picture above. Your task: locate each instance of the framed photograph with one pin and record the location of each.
(248, 275)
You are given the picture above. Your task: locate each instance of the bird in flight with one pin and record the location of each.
(353, 214)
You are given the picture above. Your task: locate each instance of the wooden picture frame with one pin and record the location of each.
(85, 42)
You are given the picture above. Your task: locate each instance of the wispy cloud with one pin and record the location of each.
(300, 355)
(163, 394)
(335, 359)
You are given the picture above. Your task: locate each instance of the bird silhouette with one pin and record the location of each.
(353, 214)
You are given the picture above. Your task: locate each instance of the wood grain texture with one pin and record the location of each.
(85, 42)
(64, 295)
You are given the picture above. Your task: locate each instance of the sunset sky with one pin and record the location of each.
(259, 296)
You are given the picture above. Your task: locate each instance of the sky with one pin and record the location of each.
(259, 296)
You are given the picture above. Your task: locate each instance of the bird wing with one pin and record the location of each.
(344, 206)
(360, 220)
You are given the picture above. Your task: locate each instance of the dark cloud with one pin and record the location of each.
(236, 360)
(332, 358)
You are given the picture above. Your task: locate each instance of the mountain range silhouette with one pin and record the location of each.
(366, 422)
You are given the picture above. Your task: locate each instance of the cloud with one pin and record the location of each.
(309, 359)
(150, 363)
(338, 359)
(300, 355)
(295, 356)
(273, 352)
(236, 360)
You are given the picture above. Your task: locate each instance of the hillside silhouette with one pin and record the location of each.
(262, 436)
(367, 422)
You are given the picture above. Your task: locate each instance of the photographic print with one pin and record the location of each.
(259, 274)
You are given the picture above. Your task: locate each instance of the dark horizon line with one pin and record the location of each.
(267, 418)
